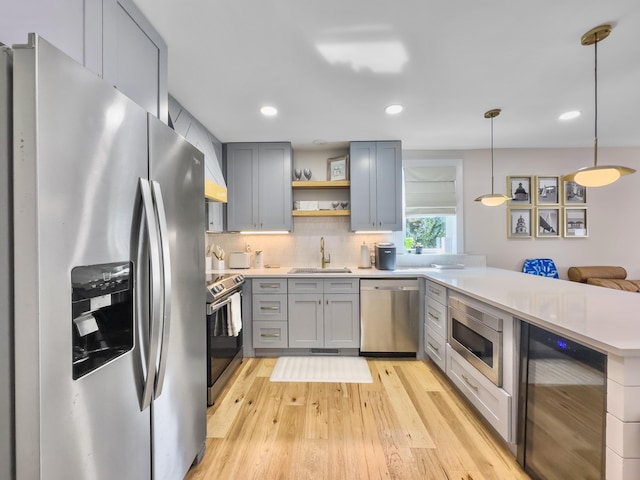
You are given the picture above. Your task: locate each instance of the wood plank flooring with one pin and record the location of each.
(408, 424)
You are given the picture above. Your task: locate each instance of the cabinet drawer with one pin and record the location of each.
(436, 316)
(269, 285)
(341, 285)
(270, 335)
(437, 292)
(305, 285)
(269, 307)
(435, 346)
(493, 403)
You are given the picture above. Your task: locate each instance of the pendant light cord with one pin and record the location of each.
(595, 129)
(492, 177)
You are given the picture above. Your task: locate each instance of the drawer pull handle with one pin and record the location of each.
(435, 291)
(269, 285)
(269, 308)
(471, 385)
(435, 317)
(433, 347)
(270, 335)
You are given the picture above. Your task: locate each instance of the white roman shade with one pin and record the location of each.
(430, 190)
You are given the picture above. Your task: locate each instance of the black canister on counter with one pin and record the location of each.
(385, 256)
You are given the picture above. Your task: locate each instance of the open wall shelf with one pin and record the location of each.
(321, 184)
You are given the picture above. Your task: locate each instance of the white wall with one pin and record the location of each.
(612, 211)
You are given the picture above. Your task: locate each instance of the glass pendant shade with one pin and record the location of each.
(598, 175)
(492, 199)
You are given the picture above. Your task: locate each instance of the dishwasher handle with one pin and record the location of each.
(387, 287)
(394, 289)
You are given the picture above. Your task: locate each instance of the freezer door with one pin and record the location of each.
(179, 409)
(79, 148)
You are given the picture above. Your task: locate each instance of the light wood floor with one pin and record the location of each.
(407, 424)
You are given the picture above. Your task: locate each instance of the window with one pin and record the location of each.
(433, 206)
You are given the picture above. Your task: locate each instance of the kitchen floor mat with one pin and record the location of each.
(322, 369)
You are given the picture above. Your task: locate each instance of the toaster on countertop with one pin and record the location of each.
(239, 260)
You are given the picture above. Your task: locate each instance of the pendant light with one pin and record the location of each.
(598, 175)
(492, 199)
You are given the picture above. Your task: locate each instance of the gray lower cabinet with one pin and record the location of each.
(376, 185)
(258, 186)
(320, 318)
(436, 323)
(269, 313)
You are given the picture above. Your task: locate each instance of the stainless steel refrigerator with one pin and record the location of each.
(109, 371)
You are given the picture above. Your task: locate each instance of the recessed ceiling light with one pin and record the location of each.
(570, 115)
(269, 111)
(393, 109)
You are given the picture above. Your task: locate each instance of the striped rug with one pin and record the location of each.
(329, 369)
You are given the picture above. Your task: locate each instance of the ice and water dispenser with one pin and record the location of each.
(102, 310)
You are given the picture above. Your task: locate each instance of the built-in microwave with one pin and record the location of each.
(477, 336)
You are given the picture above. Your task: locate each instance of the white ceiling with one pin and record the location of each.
(454, 59)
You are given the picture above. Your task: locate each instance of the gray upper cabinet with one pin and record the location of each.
(61, 23)
(258, 186)
(376, 185)
(134, 56)
(110, 37)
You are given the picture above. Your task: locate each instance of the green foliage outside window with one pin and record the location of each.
(426, 230)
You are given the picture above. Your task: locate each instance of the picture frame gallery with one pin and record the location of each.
(544, 206)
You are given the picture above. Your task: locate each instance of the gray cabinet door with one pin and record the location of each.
(376, 185)
(342, 320)
(306, 328)
(389, 185)
(242, 186)
(135, 56)
(274, 184)
(363, 200)
(214, 217)
(258, 186)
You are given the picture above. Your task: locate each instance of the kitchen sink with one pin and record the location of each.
(319, 270)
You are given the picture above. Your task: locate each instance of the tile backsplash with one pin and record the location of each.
(301, 248)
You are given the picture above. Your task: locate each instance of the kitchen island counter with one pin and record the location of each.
(602, 318)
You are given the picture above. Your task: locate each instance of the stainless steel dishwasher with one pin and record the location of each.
(389, 317)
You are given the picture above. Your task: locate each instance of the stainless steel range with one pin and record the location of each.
(224, 330)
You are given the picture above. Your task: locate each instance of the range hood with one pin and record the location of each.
(215, 187)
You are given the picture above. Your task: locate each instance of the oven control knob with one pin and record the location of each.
(239, 279)
(217, 288)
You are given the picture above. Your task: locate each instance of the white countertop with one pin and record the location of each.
(603, 318)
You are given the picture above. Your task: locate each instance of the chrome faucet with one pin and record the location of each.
(324, 260)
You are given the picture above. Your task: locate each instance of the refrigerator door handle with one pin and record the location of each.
(166, 285)
(149, 225)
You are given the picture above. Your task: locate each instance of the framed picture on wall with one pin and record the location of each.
(575, 222)
(572, 193)
(548, 222)
(519, 223)
(519, 189)
(337, 168)
(547, 190)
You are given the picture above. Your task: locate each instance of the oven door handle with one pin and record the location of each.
(212, 307)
